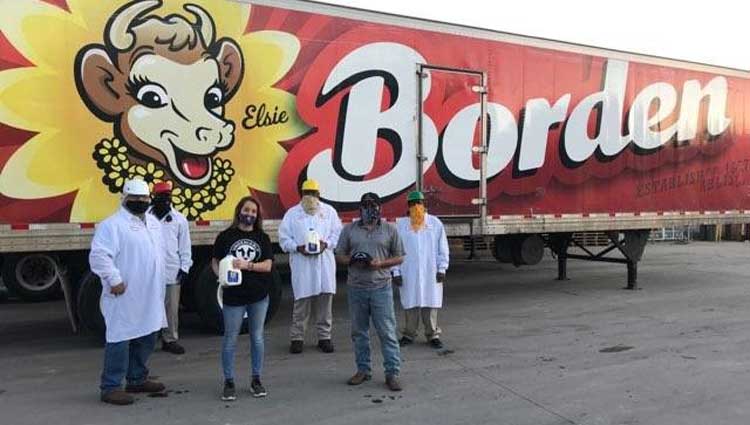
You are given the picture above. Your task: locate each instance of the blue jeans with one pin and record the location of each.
(126, 359)
(375, 304)
(233, 317)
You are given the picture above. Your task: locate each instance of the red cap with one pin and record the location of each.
(163, 187)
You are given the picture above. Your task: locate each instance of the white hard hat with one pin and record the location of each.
(135, 187)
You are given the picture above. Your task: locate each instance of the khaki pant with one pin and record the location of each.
(172, 306)
(429, 319)
(319, 307)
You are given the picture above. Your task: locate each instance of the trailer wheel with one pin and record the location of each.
(275, 295)
(208, 300)
(89, 312)
(33, 277)
(187, 290)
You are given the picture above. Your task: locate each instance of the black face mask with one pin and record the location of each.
(162, 206)
(137, 207)
(369, 213)
(247, 219)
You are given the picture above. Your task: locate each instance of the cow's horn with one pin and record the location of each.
(119, 34)
(204, 21)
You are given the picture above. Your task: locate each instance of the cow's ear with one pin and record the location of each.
(99, 83)
(231, 65)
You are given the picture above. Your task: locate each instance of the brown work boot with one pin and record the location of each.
(359, 378)
(146, 387)
(117, 397)
(392, 383)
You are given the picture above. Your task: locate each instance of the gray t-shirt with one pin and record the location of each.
(382, 242)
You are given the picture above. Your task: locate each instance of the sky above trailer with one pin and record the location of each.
(713, 32)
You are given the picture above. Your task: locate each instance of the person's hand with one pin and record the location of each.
(118, 289)
(398, 280)
(376, 264)
(241, 264)
(440, 277)
(323, 246)
(301, 249)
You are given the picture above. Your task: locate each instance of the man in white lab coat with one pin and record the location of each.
(177, 257)
(309, 232)
(422, 273)
(127, 253)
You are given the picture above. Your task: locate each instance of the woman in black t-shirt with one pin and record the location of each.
(251, 247)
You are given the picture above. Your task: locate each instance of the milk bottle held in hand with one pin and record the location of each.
(313, 241)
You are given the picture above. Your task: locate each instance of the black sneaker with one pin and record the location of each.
(405, 340)
(325, 345)
(296, 347)
(258, 389)
(229, 394)
(173, 347)
(436, 343)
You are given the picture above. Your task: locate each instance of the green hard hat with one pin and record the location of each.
(415, 196)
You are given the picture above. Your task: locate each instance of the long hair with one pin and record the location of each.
(258, 226)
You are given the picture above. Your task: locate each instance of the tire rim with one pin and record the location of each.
(36, 273)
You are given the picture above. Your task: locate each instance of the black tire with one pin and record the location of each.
(32, 277)
(3, 294)
(187, 291)
(275, 295)
(207, 302)
(89, 313)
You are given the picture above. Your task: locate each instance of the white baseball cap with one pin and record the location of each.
(135, 187)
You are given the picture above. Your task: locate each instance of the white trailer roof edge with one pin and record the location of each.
(488, 34)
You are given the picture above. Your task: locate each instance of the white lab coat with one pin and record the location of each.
(426, 255)
(311, 275)
(176, 236)
(125, 249)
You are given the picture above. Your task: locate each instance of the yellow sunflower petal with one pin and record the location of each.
(23, 91)
(93, 203)
(43, 33)
(28, 174)
(278, 50)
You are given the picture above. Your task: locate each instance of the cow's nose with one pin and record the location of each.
(203, 134)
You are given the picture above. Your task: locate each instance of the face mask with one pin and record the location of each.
(247, 219)
(310, 204)
(416, 216)
(137, 207)
(162, 205)
(369, 214)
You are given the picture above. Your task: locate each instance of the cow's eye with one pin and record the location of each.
(152, 96)
(214, 98)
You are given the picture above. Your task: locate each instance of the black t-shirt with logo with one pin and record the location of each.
(252, 246)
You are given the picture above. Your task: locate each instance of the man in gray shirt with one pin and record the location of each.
(370, 247)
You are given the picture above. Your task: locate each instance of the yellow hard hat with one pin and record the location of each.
(310, 185)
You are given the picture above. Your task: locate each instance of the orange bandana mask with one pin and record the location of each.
(416, 216)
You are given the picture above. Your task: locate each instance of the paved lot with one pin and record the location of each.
(527, 350)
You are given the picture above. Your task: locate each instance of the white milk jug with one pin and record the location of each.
(228, 275)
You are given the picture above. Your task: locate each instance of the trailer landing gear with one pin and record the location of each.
(630, 243)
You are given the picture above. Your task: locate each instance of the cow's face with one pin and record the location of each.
(178, 110)
(164, 85)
